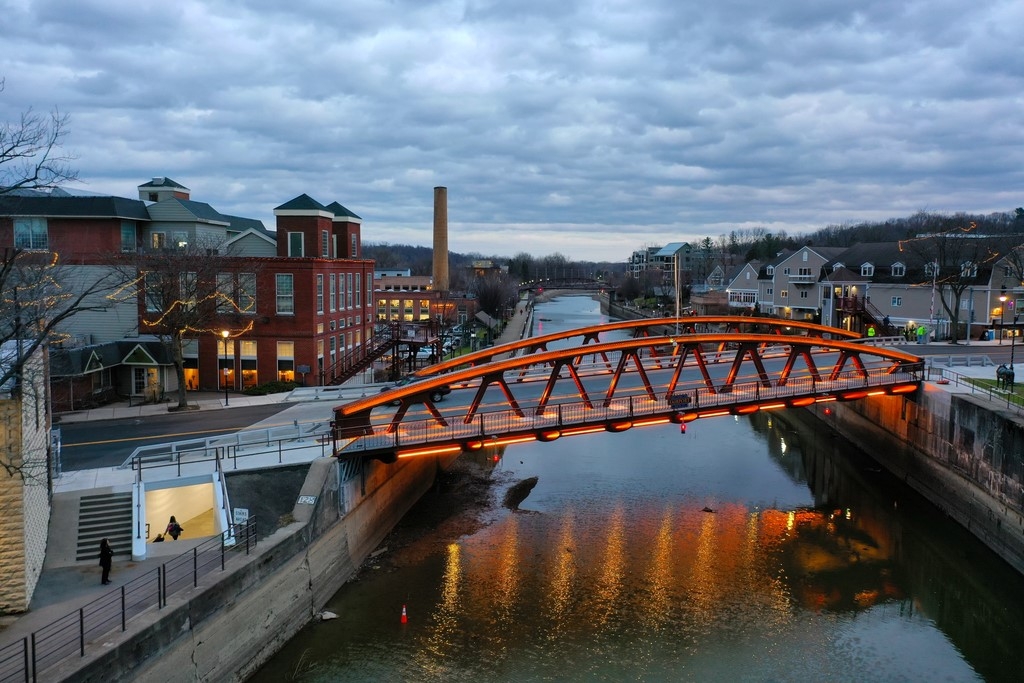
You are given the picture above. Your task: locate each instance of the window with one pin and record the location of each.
(968, 269)
(154, 293)
(354, 247)
(770, 270)
(369, 289)
(158, 240)
(295, 244)
(804, 255)
(348, 301)
(748, 275)
(330, 289)
(128, 237)
(803, 294)
(325, 244)
(285, 294)
(320, 293)
(286, 360)
(898, 270)
(180, 240)
(247, 293)
(30, 233)
(896, 301)
(188, 290)
(154, 197)
(837, 266)
(225, 293)
(931, 269)
(359, 292)
(342, 292)
(768, 292)
(867, 269)
(783, 293)
(248, 362)
(785, 271)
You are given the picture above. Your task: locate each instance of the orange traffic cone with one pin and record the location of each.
(405, 617)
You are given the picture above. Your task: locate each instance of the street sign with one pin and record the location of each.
(240, 515)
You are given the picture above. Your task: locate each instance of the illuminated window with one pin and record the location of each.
(286, 361)
(158, 240)
(247, 352)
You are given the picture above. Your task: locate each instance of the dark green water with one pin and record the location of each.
(745, 550)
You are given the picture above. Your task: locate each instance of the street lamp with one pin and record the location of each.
(1013, 338)
(1002, 317)
(472, 341)
(224, 334)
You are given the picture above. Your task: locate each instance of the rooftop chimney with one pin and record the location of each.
(441, 239)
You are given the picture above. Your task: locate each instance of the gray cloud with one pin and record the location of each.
(586, 126)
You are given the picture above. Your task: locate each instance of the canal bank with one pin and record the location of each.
(962, 452)
(959, 451)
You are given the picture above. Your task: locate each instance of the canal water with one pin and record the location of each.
(747, 549)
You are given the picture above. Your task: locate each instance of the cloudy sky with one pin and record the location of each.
(589, 127)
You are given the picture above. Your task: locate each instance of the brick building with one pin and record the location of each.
(296, 305)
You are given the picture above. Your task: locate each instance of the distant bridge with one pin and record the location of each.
(586, 283)
(594, 385)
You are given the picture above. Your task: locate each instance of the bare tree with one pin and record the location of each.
(189, 291)
(31, 155)
(37, 295)
(952, 260)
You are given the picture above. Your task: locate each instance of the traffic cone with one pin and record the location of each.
(405, 617)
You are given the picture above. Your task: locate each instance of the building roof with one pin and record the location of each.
(164, 183)
(50, 206)
(201, 211)
(670, 249)
(302, 203)
(340, 211)
(241, 224)
(79, 360)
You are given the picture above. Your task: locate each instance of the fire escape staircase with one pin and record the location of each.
(867, 314)
(360, 358)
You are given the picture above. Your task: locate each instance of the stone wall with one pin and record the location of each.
(961, 452)
(24, 488)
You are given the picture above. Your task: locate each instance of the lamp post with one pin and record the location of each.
(472, 341)
(1013, 338)
(1002, 317)
(224, 334)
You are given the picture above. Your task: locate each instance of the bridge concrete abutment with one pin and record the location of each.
(958, 451)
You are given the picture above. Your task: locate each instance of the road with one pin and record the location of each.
(89, 445)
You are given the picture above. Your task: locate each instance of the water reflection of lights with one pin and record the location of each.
(446, 632)
(564, 579)
(609, 582)
(782, 444)
(509, 571)
(658, 609)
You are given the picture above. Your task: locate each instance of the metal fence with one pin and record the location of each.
(999, 396)
(77, 633)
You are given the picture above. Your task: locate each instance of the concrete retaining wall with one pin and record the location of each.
(960, 452)
(238, 619)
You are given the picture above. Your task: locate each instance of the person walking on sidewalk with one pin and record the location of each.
(106, 559)
(174, 529)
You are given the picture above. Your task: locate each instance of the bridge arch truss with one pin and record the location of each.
(615, 385)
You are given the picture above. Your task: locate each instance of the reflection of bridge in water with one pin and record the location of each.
(524, 392)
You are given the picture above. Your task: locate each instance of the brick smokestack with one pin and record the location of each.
(441, 239)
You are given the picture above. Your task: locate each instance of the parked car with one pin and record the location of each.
(437, 394)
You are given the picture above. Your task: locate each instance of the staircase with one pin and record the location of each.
(357, 360)
(108, 516)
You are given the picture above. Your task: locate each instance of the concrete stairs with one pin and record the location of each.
(105, 515)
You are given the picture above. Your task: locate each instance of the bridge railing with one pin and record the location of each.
(695, 396)
(1000, 396)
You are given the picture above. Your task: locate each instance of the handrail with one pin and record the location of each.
(994, 395)
(529, 419)
(83, 630)
(173, 451)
